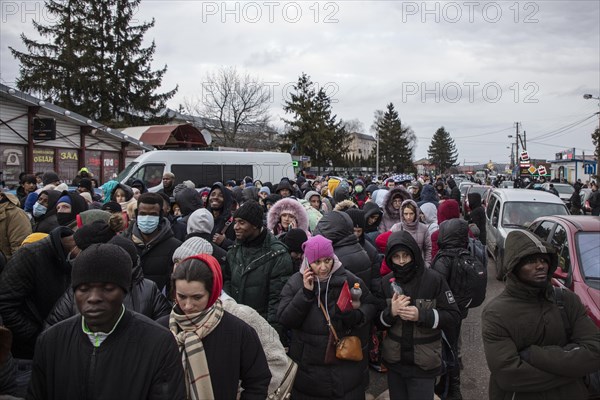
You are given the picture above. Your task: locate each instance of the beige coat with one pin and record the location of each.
(14, 224)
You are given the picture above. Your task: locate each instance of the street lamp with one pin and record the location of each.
(590, 97)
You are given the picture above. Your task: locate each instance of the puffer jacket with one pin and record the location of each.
(301, 313)
(287, 205)
(337, 226)
(14, 224)
(413, 348)
(418, 230)
(525, 341)
(256, 272)
(142, 297)
(392, 216)
(156, 255)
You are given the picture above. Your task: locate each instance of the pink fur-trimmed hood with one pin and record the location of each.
(294, 207)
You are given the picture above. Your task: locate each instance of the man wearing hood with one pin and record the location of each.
(428, 195)
(152, 234)
(33, 279)
(337, 226)
(284, 189)
(68, 206)
(454, 190)
(477, 215)
(220, 200)
(528, 350)
(419, 305)
(189, 200)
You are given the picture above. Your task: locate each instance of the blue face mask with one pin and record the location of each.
(39, 210)
(147, 223)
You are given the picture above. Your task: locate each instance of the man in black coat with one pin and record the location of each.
(94, 350)
(152, 234)
(477, 215)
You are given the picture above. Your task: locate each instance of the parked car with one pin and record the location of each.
(510, 209)
(483, 190)
(577, 241)
(565, 191)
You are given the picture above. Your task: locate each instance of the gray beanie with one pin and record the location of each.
(102, 263)
(200, 221)
(191, 247)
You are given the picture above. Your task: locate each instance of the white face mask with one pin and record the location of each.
(39, 210)
(147, 223)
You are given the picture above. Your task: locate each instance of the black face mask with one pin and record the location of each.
(405, 273)
(64, 219)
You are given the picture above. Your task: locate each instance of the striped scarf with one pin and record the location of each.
(189, 330)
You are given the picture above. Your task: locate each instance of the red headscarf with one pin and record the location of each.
(215, 268)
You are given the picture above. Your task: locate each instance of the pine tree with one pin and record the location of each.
(596, 141)
(442, 151)
(313, 130)
(93, 63)
(395, 150)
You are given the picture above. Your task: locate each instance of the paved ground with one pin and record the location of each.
(475, 375)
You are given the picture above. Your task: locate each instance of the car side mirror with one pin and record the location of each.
(495, 221)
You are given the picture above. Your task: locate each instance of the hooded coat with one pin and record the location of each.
(48, 221)
(428, 195)
(448, 209)
(525, 341)
(14, 224)
(418, 230)
(33, 279)
(224, 221)
(429, 212)
(371, 208)
(288, 205)
(337, 226)
(300, 312)
(477, 215)
(454, 190)
(341, 193)
(78, 205)
(413, 348)
(143, 297)
(392, 216)
(128, 196)
(189, 200)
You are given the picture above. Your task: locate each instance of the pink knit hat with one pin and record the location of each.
(317, 247)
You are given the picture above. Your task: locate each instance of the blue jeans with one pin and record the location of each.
(409, 388)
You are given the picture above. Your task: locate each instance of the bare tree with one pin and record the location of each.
(354, 126)
(234, 105)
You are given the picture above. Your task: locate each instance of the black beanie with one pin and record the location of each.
(96, 232)
(102, 263)
(87, 184)
(357, 216)
(250, 211)
(294, 238)
(50, 177)
(127, 245)
(112, 206)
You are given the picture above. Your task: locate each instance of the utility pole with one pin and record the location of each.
(377, 156)
(517, 155)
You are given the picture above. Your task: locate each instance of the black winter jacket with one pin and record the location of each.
(189, 200)
(338, 227)
(225, 217)
(300, 312)
(477, 215)
(48, 221)
(157, 255)
(34, 278)
(138, 360)
(429, 292)
(235, 358)
(143, 297)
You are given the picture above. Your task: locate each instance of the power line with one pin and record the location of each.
(562, 129)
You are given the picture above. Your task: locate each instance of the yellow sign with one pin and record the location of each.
(532, 170)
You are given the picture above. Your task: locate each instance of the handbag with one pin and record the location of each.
(592, 380)
(348, 348)
(284, 391)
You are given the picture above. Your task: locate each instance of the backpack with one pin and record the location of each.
(468, 277)
(477, 249)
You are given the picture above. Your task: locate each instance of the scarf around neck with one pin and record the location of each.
(189, 330)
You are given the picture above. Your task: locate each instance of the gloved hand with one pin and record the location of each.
(349, 319)
(525, 354)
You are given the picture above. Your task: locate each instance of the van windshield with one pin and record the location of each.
(123, 174)
(520, 214)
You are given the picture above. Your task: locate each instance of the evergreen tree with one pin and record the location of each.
(93, 63)
(313, 130)
(395, 147)
(442, 151)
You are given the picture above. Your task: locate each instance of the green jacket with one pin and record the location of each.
(525, 341)
(255, 275)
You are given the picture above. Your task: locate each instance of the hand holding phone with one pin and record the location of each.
(309, 279)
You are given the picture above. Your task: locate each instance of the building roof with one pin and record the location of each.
(362, 136)
(25, 99)
(423, 161)
(168, 135)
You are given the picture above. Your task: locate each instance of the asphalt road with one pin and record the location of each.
(475, 375)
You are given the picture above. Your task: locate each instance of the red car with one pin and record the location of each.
(577, 241)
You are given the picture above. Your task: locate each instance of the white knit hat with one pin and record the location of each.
(191, 247)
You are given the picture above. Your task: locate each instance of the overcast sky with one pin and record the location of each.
(474, 67)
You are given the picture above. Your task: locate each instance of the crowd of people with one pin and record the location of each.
(236, 291)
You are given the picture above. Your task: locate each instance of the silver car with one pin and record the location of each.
(510, 209)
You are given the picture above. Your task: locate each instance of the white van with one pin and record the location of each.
(207, 167)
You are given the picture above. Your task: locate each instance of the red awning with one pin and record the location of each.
(173, 135)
